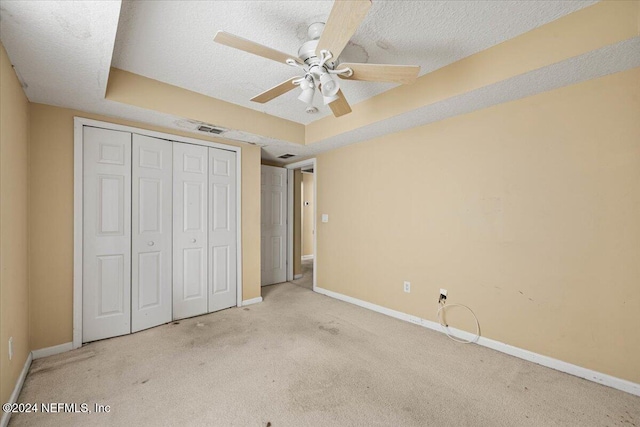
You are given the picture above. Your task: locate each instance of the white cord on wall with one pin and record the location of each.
(445, 327)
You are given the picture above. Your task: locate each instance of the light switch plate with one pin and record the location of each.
(325, 217)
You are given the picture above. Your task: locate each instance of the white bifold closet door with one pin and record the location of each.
(151, 240)
(204, 230)
(159, 232)
(106, 270)
(190, 218)
(222, 229)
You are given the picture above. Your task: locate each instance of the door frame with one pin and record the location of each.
(78, 125)
(290, 168)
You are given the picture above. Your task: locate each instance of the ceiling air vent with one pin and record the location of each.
(210, 129)
(286, 156)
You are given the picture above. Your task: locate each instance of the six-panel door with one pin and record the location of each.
(274, 226)
(159, 231)
(222, 229)
(106, 268)
(151, 240)
(190, 237)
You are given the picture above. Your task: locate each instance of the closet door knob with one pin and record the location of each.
(193, 240)
(150, 243)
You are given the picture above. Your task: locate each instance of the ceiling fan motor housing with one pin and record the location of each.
(307, 53)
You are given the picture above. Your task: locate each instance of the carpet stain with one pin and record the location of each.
(332, 331)
(145, 381)
(62, 363)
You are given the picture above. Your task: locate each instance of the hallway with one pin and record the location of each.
(306, 281)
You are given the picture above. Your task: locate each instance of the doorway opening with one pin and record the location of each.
(303, 227)
(288, 224)
(302, 195)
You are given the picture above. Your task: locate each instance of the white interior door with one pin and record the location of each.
(273, 194)
(106, 270)
(151, 246)
(190, 173)
(222, 229)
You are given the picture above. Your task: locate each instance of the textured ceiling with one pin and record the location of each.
(172, 41)
(63, 51)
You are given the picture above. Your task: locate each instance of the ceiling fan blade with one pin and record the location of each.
(275, 91)
(236, 42)
(344, 20)
(405, 74)
(340, 106)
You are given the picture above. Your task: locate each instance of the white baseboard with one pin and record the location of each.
(297, 276)
(307, 257)
(50, 351)
(550, 362)
(16, 390)
(251, 301)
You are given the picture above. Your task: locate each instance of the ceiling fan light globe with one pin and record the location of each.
(305, 84)
(307, 96)
(328, 85)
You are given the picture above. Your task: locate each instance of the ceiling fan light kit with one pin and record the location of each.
(307, 95)
(318, 60)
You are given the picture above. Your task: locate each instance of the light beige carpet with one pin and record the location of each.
(303, 359)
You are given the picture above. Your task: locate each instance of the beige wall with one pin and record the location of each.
(51, 220)
(528, 212)
(297, 222)
(307, 214)
(14, 287)
(134, 89)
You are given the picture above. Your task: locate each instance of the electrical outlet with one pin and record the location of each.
(407, 287)
(443, 296)
(10, 348)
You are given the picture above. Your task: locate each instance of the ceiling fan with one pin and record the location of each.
(318, 60)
